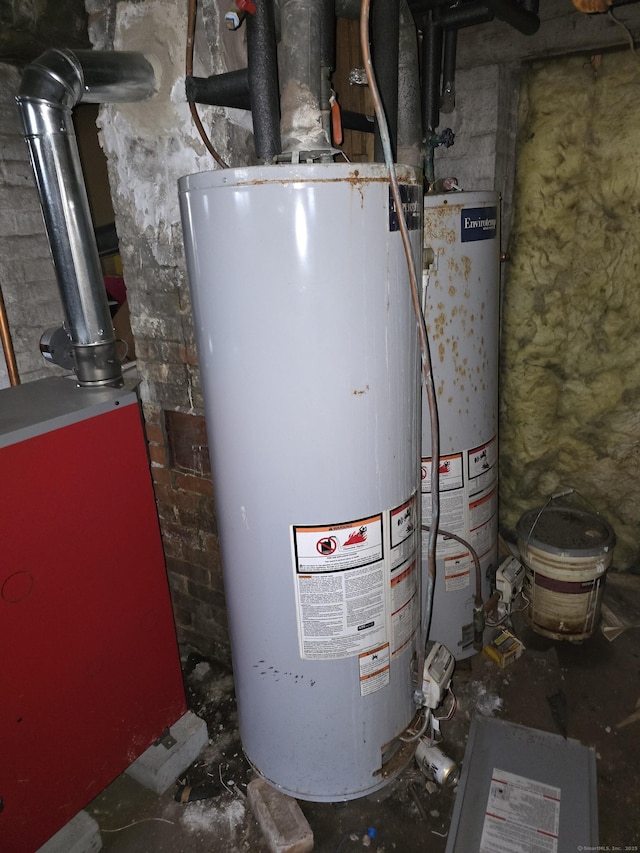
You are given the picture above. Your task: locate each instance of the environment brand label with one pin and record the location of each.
(411, 198)
(521, 814)
(478, 223)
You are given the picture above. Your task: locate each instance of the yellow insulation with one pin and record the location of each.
(570, 368)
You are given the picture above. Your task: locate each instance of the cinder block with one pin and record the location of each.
(80, 835)
(159, 766)
(283, 825)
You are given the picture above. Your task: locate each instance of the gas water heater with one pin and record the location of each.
(309, 356)
(461, 303)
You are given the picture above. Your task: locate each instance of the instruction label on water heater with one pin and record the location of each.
(468, 507)
(521, 814)
(356, 589)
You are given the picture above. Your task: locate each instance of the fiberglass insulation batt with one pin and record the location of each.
(570, 371)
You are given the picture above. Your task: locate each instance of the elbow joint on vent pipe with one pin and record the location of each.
(51, 87)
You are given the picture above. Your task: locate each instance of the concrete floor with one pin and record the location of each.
(598, 678)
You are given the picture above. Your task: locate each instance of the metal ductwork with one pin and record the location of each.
(51, 87)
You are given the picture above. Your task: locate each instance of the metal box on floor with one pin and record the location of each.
(524, 791)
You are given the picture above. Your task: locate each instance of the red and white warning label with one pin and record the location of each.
(374, 669)
(331, 548)
(356, 589)
(522, 816)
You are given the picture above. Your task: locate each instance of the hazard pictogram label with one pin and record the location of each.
(327, 545)
(335, 547)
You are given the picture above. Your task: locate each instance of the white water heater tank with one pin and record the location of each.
(462, 248)
(310, 370)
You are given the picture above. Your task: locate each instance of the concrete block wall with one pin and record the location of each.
(485, 126)
(27, 276)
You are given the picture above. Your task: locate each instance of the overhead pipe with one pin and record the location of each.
(305, 30)
(264, 97)
(409, 148)
(358, 121)
(409, 124)
(464, 15)
(432, 36)
(385, 35)
(51, 87)
(515, 14)
(520, 14)
(230, 89)
(328, 34)
(327, 61)
(448, 99)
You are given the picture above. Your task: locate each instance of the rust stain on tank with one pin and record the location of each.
(357, 392)
(356, 183)
(441, 352)
(452, 290)
(466, 263)
(436, 222)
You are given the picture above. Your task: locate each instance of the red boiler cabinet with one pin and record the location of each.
(90, 674)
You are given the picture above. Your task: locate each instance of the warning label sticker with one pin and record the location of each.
(449, 473)
(332, 548)
(482, 466)
(468, 508)
(356, 587)
(457, 571)
(374, 669)
(521, 814)
(404, 606)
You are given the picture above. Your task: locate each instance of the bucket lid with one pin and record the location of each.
(566, 532)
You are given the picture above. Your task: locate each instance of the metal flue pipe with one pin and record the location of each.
(51, 87)
(301, 124)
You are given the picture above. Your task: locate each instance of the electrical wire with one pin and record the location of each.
(136, 822)
(191, 30)
(427, 369)
(630, 39)
(417, 735)
(526, 604)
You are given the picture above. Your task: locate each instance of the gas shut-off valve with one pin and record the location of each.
(436, 676)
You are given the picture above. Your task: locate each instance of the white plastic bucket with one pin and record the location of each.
(566, 553)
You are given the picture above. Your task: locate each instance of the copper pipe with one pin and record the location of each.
(7, 344)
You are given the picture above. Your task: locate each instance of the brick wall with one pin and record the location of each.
(186, 509)
(27, 277)
(149, 146)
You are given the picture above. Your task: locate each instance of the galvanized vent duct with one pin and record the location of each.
(51, 88)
